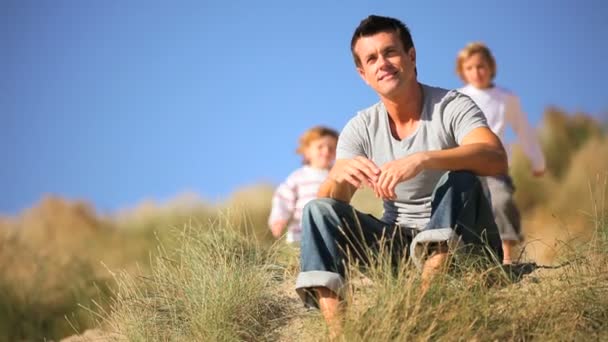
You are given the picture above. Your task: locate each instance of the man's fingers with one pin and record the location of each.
(352, 180)
(382, 184)
(379, 187)
(370, 164)
(361, 177)
(391, 188)
(356, 173)
(377, 191)
(367, 167)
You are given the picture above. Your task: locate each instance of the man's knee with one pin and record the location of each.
(461, 180)
(463, 177)
(321, 211)
(321, 207)
(322, 216)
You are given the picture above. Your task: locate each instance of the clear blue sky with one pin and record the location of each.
(119, 101)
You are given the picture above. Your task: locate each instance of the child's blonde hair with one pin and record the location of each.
(470, 50)
(311, 135)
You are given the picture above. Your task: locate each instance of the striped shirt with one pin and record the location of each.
(292, 195)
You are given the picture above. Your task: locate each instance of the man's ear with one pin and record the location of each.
(412, 54)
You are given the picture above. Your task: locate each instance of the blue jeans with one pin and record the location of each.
(333, 231)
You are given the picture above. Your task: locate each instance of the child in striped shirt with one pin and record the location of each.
(318, 150)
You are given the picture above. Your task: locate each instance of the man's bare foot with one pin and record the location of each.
(432, 266)
(329, 304)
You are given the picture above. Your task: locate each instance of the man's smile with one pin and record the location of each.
(387, 75)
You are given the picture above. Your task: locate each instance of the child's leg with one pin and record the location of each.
(507, 250)
(506, 214)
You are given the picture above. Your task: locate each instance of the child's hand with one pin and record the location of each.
(277, 228)
(537, 173)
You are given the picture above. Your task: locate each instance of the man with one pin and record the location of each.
(400, 147)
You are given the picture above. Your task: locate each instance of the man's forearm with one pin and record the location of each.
(479, 158)
(332, 189)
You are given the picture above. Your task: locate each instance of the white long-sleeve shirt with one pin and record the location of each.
(292, 195)
(502, 107)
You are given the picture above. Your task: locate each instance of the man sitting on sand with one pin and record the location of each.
(420, 149)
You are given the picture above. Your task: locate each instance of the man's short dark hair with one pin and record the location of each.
(375, 24)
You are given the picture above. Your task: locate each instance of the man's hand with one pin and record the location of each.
(397, 171)
(348, 175)
(357, 172)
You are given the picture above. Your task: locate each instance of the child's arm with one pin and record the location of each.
(277, 227)
(283, 207)
(525, 134)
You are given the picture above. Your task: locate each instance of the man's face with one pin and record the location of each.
(385, 65)
(476, 71)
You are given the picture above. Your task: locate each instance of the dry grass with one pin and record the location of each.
(55, 260)
(219, 285)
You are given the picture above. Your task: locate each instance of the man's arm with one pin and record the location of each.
(341, 191)
(480, 152)
(346, 176)
(479, 149)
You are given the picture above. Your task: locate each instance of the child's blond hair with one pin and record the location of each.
(470, 50)
(311, 135)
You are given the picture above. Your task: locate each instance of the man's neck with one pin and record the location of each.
(407, 107)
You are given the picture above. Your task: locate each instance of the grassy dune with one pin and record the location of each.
(190, 270)
(57, 258)
(222, 285)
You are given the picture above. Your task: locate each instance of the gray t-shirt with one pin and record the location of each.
(447, 117)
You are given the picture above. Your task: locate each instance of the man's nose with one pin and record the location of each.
(383, 61)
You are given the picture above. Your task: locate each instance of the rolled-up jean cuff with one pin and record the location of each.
(428, 236)
(309, 279)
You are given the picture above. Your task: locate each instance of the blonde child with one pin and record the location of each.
(476, 66)
(318, 150)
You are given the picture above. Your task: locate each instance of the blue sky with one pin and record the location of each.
(119, 101)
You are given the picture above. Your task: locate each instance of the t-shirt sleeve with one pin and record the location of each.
(351, 142)
(462, 115)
